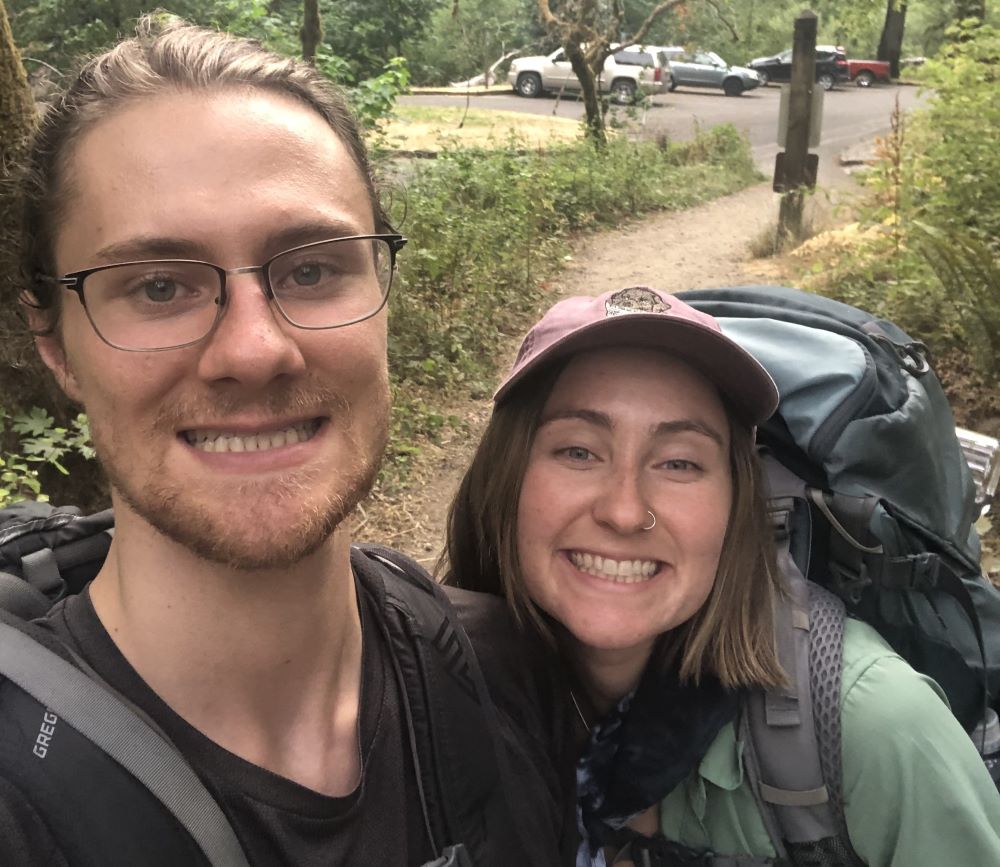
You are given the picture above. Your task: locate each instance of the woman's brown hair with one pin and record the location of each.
(731, 635)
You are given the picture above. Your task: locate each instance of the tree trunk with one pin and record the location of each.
(17, 117)
(17, 109)
(311, 32)
(891, 44)
(588, 90)
(970, 9)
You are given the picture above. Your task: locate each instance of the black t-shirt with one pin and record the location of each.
(277, 821)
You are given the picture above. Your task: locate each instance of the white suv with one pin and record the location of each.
(627, 73)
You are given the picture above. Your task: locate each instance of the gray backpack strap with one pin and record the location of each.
(792, 734)
(782, 731)
(105, 720)
(22, 599)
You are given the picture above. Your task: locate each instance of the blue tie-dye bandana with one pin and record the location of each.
(651, 741)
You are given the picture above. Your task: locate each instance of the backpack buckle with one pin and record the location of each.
(452, 856)
(779, 513)
(847, 583)
(913, 572)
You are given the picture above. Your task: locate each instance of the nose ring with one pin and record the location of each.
(652, 520)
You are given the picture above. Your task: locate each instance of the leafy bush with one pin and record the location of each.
(38, 442)
(956, 173)
(930, 256)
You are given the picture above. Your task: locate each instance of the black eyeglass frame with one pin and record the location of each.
(74, 281)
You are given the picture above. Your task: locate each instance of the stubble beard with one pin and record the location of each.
(243, 533)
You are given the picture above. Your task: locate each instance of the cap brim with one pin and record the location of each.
(734, 371)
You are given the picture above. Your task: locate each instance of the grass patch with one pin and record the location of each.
(424, 128)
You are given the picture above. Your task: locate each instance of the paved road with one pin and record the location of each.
(851, 116)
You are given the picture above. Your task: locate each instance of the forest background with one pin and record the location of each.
(489, 224)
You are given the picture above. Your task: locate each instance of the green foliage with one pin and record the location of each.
(929, 257)
(742, 29)
(369, 33)
(956, 176)
(487, 226)
(35, 441)
(374, 98)
(58, 34)
(459, 45)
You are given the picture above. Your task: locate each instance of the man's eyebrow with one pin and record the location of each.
(165, 247)
(684, 425)
(307, 233)
(150, 247)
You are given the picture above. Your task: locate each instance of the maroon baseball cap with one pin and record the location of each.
(643, 317)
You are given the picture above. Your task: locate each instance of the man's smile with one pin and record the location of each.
(215, 440)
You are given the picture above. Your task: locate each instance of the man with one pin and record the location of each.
(209, 270)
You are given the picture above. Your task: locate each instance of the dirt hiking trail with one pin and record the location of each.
(705, 246)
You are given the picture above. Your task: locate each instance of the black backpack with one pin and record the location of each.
(46, 554)
(873, 502)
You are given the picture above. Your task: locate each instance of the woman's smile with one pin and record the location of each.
(613, 570)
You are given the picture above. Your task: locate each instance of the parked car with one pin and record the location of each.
(627, 73)
(864, 73)
(831, 66)
(706, 69)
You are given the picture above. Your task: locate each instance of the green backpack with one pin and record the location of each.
(873, 505)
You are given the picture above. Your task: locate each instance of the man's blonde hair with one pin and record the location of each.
(165, 55)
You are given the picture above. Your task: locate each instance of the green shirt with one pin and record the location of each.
(916, 791)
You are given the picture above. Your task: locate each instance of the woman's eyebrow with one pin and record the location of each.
(685, 425)
(664, 428)
(591, 416)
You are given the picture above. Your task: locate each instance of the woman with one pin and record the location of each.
(616, 501)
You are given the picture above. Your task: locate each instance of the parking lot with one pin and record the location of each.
(851, 115)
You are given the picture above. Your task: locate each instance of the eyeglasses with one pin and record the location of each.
(172, 303)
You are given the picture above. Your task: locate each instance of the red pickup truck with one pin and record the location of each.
(864, 73)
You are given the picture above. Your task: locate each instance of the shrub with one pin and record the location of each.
(930, 259)
(39, 444)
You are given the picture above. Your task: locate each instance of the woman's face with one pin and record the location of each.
(624, 433)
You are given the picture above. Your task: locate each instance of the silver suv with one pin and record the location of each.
(705, 69)
(627, 73)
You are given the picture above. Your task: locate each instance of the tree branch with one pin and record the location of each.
(651, 18)
(722, 17)
(546, 12)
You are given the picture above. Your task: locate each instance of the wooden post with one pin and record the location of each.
(799, 117)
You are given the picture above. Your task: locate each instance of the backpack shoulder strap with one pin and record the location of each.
(792, 734)
(108, 722)
(454, 731)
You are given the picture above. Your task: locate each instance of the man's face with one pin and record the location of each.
(231, 178)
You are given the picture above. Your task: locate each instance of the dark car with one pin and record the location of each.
(831, 66)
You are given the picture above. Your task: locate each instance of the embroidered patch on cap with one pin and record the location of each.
(635, 299)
